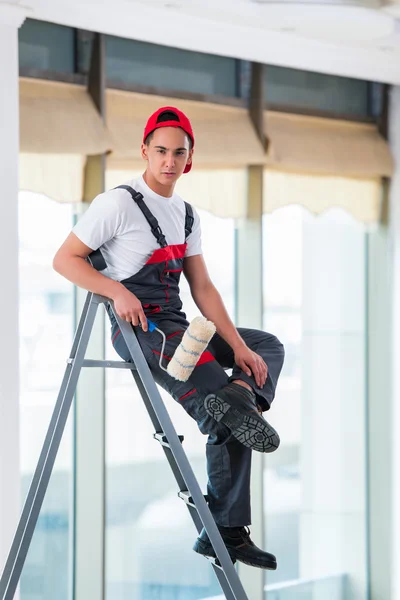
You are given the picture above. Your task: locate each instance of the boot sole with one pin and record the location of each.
(250, 430)
(206, 550)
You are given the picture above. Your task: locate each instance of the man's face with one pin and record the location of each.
(167, 154)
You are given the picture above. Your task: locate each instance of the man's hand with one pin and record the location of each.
(129, 307)
(250, 362)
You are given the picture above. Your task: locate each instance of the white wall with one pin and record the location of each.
(10, 19)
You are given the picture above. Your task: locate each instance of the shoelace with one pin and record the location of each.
(245, 535)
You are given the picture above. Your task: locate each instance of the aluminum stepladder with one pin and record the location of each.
(189, 489)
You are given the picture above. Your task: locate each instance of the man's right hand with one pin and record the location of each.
(129, 308)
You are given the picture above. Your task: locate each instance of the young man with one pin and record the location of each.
(147, 236)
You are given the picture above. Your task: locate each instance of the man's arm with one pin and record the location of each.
(209, 301)
(70, 262)
(211, 305)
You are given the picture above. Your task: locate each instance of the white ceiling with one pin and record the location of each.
(327, 22)
(354, 39)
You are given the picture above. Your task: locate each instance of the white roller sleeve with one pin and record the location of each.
(194, 342)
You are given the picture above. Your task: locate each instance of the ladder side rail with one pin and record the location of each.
(34, 500)
(156, 423)
(226, 588)
(177, 475)
(168, 455)
(181, 458)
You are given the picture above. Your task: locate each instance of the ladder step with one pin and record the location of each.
(105, 364)
(162, 438)
(187, 498)
(216, 562)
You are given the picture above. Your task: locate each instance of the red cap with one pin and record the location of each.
(183, 122)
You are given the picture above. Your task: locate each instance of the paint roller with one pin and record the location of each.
(194, 341)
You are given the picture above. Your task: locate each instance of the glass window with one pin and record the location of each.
(307, 90)
(46, 46)
(130, 61)
(150, 534)
(46, 330)
(314, 485)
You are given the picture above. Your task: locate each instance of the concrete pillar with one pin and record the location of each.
(333, 520)
(380, 390)
(11, 17)
(379, 414)
(90, 410)
(249, 306)
(249, 313)
(394, 528)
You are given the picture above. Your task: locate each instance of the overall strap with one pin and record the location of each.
(152, 221)
(189, 220)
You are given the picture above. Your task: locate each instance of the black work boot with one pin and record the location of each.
(240, 547)
(236, 407)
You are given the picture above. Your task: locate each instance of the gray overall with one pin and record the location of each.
(157, 287)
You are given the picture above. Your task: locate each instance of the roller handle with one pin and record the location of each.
(151, 325)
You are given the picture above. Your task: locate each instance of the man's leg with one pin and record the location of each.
(268, 347)
(239, 404)
(228, 460)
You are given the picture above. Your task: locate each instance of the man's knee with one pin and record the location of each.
(274, 346)
(280, 349)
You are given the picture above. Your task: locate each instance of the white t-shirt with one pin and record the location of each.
(115, 223)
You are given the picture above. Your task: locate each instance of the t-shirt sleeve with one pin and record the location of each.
(101, 221)
(194, 238)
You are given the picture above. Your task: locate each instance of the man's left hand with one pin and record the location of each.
(250, 362)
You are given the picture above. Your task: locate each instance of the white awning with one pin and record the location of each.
(59, 127)
(361, 198)
(322, 163)
(322, 146)
(59, 118)
(57, 176)
(315, 162)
